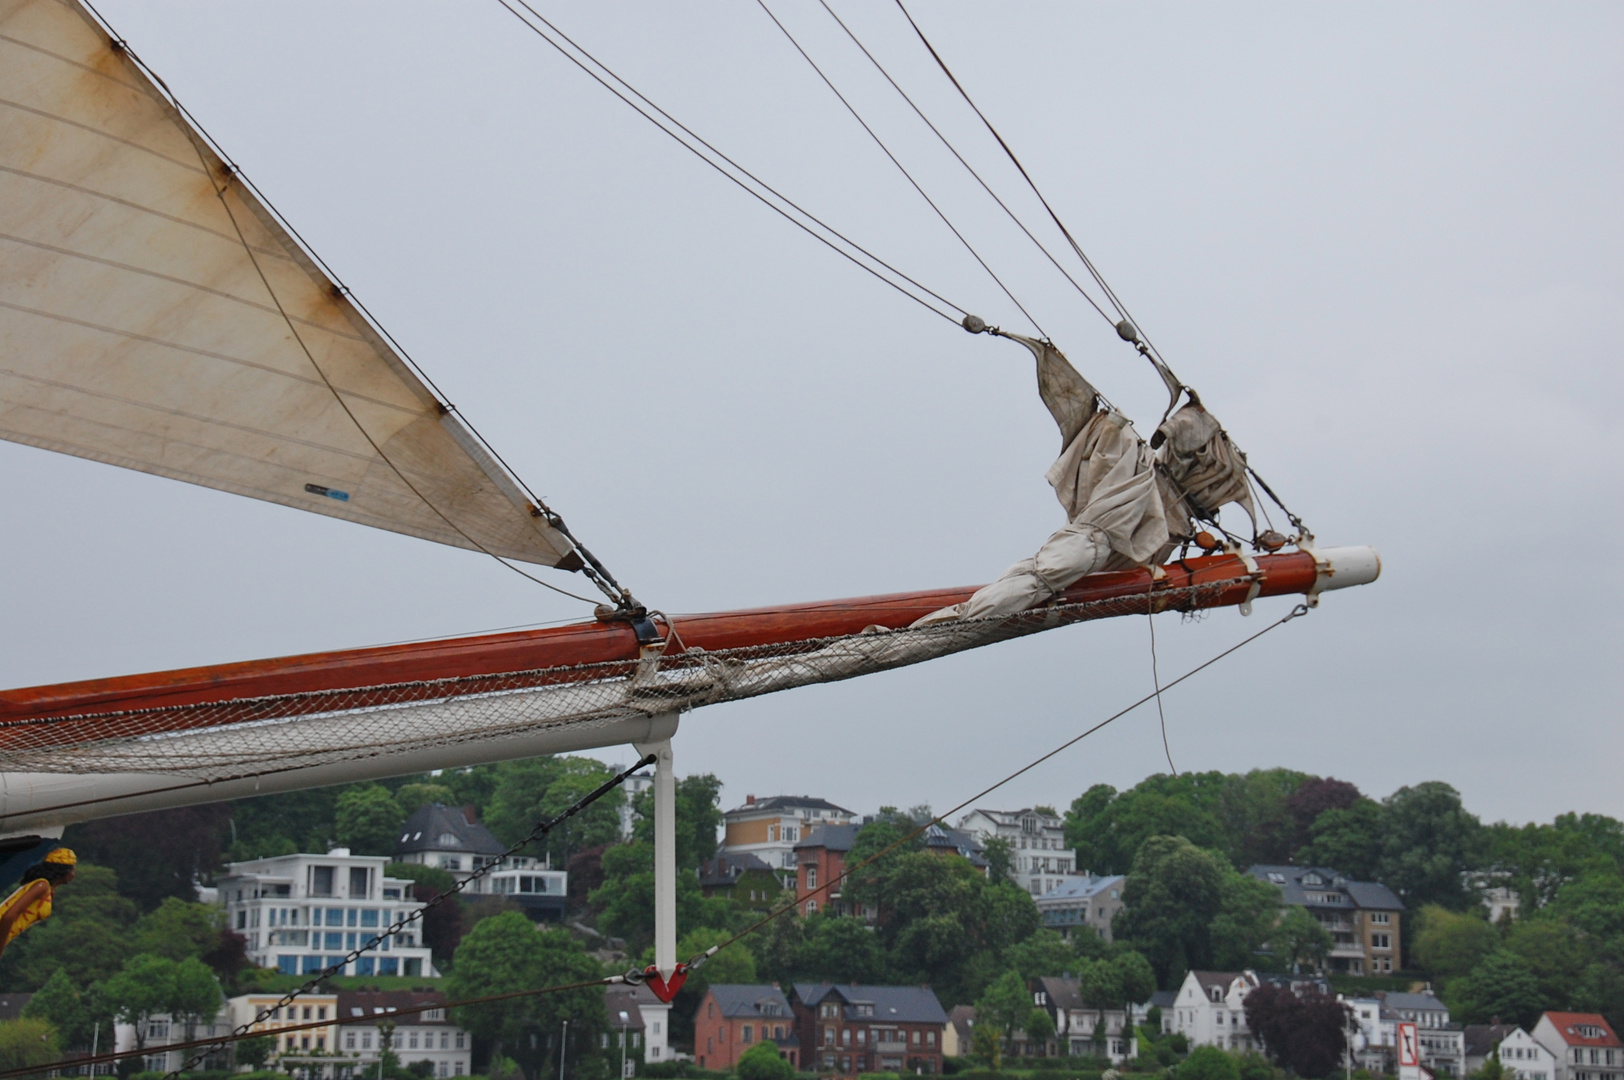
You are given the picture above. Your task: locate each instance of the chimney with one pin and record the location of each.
(470, 814)
(749, 800)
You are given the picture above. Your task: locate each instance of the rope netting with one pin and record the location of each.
(248, 737)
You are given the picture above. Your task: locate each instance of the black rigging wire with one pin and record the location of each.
(968, 167)
(647, 115)
(901, 168)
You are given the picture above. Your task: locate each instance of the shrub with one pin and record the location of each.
(763, 1062)
(1208, 1063)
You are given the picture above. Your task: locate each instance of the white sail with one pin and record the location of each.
(154, 314)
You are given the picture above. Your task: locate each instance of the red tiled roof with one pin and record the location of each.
(1567, 1025)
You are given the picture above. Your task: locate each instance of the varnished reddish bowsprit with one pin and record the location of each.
(595, 643)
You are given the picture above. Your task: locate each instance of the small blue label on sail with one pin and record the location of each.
(331, 493)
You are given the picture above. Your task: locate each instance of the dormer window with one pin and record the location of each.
(1313, 879)
(1215, 993)
(447, 839)
(1276, 877)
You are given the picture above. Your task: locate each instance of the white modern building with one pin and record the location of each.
(1083, 904)
(303, 913)
(1041, 861)
(635, 785)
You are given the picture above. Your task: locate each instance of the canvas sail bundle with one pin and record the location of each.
(154, 314)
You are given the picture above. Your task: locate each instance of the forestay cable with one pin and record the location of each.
(901, 168)
(747, 174)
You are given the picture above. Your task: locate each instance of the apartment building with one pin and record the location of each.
(1083, 904)
(1363, 917)
(821, 859)
(303, 913)
(850, 1029)
(732, 1017)
(412, 1023)
(1036, 836)
(1080, 1029)
(770, 828)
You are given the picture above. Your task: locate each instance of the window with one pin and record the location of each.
(811, 877)
(321, 881)
(1381, 918)
(747, 1034)
(1381, 941)
(462, 1038)
(930, 1038)
(358, 882)
(811, 907)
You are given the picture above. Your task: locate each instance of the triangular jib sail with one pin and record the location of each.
(154, 314)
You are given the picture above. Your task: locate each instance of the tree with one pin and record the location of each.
(1173, 892)
(254, 1051)
(507, 953)
(1255, 810)
(763, 1062)
(1554, 953)
(1299, 939)
(1005, 1005)
(443, 924)
(1248, 910)
(541, 789)
(143, 988)
(1429, 842)
(1501, 986)
(367, 820)
(1045, 952)
(1449, 945)
(1109, 829)
(987, 1043)
(26, 1042)
(157, 854)
(1208, 1063)
(699, 813)
(1348, 841)
(1000, 856)
(178, 928)
(71, 1013)
(194, 995)
(1038, 1029)
(412, 797)
(1303, 1032)
(1312, 798)
(841, 948)
(625, 900)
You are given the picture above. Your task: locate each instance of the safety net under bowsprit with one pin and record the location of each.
(247, 737)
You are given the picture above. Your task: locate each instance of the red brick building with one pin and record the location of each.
(849, 1029)
(732, 1018)
(820, 858)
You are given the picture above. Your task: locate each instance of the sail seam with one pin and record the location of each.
(160, 155)
(93, 193)
(80, 64)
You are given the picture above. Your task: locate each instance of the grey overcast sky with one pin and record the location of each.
(1383, 240)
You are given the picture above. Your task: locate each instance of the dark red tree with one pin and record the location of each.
(1313, 798)
(157, 854)
(586, 873)
(1303, 1031)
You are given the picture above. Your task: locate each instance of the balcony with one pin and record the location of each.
(1347, 949)
(900, 1047)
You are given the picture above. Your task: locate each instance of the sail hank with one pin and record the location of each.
(155, 314)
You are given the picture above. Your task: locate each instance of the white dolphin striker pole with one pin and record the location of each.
(665, 856)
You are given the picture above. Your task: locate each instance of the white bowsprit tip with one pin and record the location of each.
(1345, 567)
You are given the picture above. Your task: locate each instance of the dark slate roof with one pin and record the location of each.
(940, 839)
(1163, 999)
(903, 1004)
(1297, 984)
(1481, 1039)
(627, 999)
(963, 1017)
(792, 802)
(1367, 895)
(725, 869)
(1063, 993)
(833, 837)
(379, 1002)
(1413, 1002)
(736, 999)
(422, 832)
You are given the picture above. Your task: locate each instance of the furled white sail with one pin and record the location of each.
(154, 314)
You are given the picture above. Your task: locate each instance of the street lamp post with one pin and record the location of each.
(624, 1020)
(563, 1041)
